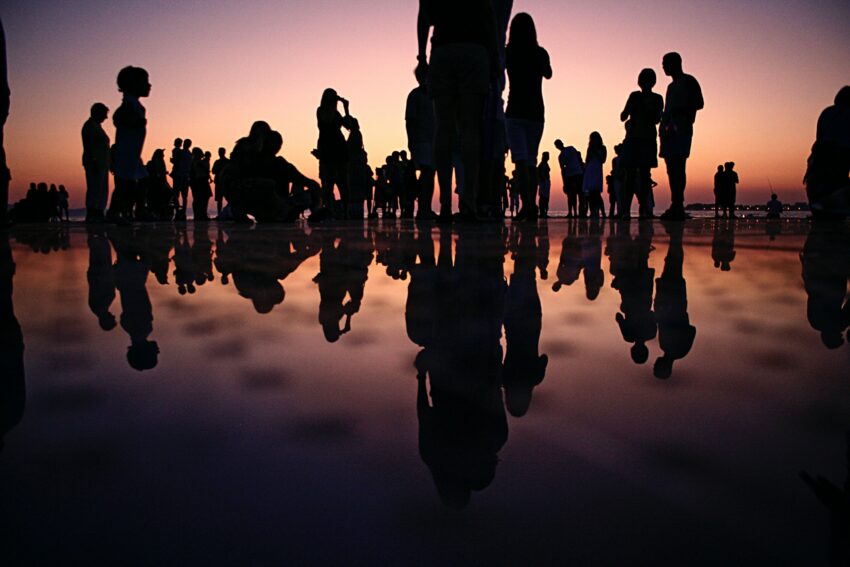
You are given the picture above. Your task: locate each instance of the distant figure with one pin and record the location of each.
(200, 184)
(464, 55)
(217, 169)
(53, 203)
(181, 173)
(718, 190)
(730, 189)
(591, 186)
(5, 175)
(332, 150)
(527, 65)
(774, 207)
(572, 169)
(684, 99)
(828, 175)
(640, 149)
(64, 212)
(421, 126)
(675, 333)
(544, 178)
(615, 180)
(130, 130)
(96, 163)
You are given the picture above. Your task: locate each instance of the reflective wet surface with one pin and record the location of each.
(565, 392)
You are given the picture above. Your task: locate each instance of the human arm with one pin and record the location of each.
(423, 29)
(546, 64)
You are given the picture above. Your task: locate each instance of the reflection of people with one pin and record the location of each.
(344, 268)
(828, 175)
(635, 280)
(723, 245)
(96, 162)
(131, 275)
(462, 423)
(837, 500)
(524, 367)
(12, 386)
(683, 100)
(101, 278)
(675, 333)
(826, 268)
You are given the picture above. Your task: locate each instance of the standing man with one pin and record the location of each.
(96, 163)
(217, 169)
(5, 175)
(464, 57)
(684, 99)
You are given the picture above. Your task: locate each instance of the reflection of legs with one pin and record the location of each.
(469, 126)
(446, 111)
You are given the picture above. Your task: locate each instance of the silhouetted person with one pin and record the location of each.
(570, 263)
(723, 245)
(131, 274)
(217, 169)
(181, 173)
(719, 180)
(5, 175)
(635, 281)
(101, 278)
(12, 386)
(332, 149)
(160, 195)
(544, 181)
(596, 156)
(774, 207)
(837, 500)
(826, 267)
(572, 170)
(675, 332)
(524, 366)
(202, 265)
(96, 162)
(130, 130)
(640, 149)
(53, 203)
(828, 174)
(464, 55)
(200, 184)
(683, 100)
(527, 65)
(64, 212)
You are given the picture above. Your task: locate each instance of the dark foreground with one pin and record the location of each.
(562, 393)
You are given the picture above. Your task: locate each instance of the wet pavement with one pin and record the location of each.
(566, 392)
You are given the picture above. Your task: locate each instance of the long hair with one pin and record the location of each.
(523, 32)
(329, 99)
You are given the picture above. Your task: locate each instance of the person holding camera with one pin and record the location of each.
(332, 150)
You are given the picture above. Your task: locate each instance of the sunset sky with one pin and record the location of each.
(767, 69)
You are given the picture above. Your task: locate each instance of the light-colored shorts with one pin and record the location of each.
(523, 139)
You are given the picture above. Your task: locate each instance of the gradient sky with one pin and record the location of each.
(767, 69)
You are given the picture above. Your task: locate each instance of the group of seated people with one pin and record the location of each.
(42, 205)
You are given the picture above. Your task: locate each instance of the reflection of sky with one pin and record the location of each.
(254, 426)
(767, 69)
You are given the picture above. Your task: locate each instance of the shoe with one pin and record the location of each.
(427, 215)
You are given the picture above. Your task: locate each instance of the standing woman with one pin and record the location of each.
(527, 64)
(332, 151)
(200, 184)
(642, 115)
(597, 154)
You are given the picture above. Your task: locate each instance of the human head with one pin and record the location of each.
(403, 155)
(187, 143)
(545, 157)
(143, 356)
(134, 81)
(99, 111)
(158, 155)
(207, 155)
(197, 153)
(773, 196)
(719, 168)
(843, 96)
(646, 79)
(595, 139)
(32, 186)
(559, 144)
(221, 152)
(259, 132)
(523, 32)
(275, 142)
(178, 142)
(640, 353)
(730, 165)
(52, 187)
(329, 99)
(672, 64)
(61, 188)
(663, 367)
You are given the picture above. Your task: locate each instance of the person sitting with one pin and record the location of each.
(774, 207)
(828, 175)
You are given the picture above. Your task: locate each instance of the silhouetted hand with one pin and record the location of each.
(422, 66)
